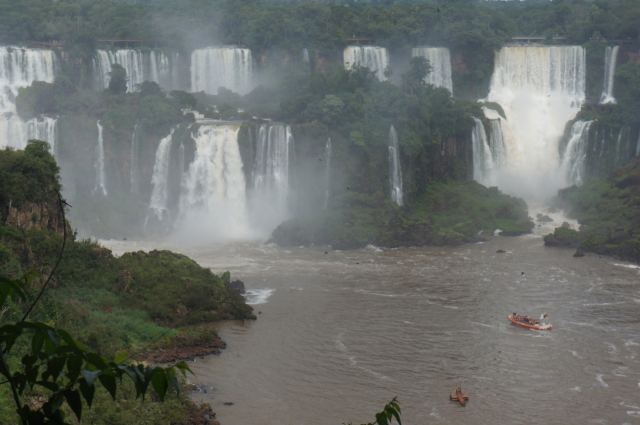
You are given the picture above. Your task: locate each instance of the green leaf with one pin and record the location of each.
(121, 357)
(51, 386)
(167, 340)
(74, 401)
(109, 382)
(74, 366)
(87, 391)
(171, 374)
(97, 361)
(183, 367)
(90, 376)
(159, 382)
(66, 337)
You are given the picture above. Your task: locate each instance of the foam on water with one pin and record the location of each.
(258, 296)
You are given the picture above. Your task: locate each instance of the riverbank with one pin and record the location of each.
(608, 210)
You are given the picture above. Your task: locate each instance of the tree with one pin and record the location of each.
(413, 79)
(118, 81)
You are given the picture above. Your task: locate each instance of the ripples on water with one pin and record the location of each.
(340, 334)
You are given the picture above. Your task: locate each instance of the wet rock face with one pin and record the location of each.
(237, 286)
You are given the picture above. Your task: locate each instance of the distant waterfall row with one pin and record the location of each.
(373, 57)
(610, 58)
(20, 67)
(140, 66)
(440, 60)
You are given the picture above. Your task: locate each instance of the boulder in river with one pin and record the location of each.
(236, 285)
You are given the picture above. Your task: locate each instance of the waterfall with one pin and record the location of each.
(272, 160)
(181, 159)
(229, 67)
(575, 154)
(638, 146)
(160, 177)
(540, 89)
(305, 55)
(327, 171)
(100, 174)
(610, 58)
(482, 155)
(135, 160)
(373, 57)
(213, 187)
(152, 66)
(440, 60)
(395, 171)
(20, 67)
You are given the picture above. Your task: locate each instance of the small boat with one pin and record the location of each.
(459, 396)
(541, 324)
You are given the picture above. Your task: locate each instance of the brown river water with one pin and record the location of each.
(340, 334)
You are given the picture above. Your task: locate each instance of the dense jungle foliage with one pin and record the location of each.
(109, 303)
(608, 210)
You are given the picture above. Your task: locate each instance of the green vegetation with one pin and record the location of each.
(446, 214)
(110, 304)
(608, 210)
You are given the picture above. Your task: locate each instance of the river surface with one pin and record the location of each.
(340, 334)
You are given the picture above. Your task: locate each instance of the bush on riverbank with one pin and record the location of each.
(608, 210)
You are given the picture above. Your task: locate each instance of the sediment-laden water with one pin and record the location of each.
(340, 334)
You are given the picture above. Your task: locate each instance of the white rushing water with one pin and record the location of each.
(395, 169)
(483, 165)
(160, 177)
(327, 172)
(152, 66)
(305, 55)
(540, 89)
(575, 154)
(610, 58)
(440, 60)
(20, 67)
(101, 180)
(229, 67)
(373, 57)
(134, 161)
(213, 197)
(271, 181)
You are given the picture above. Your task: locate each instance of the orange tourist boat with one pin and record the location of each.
(541, 324)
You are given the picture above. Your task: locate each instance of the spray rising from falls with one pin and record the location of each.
(213, 201)
(229, 67)
(151, 66)
(20, 67)
(101, 183)
(610, 59)
(160, 178)
(540, 89)
(395, 171)
(440, 60)
(373, 57)
(327, 172)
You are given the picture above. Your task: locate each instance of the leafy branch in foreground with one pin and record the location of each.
(61, 364)
(391, 410)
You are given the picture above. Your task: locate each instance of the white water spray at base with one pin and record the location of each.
(540, 89)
